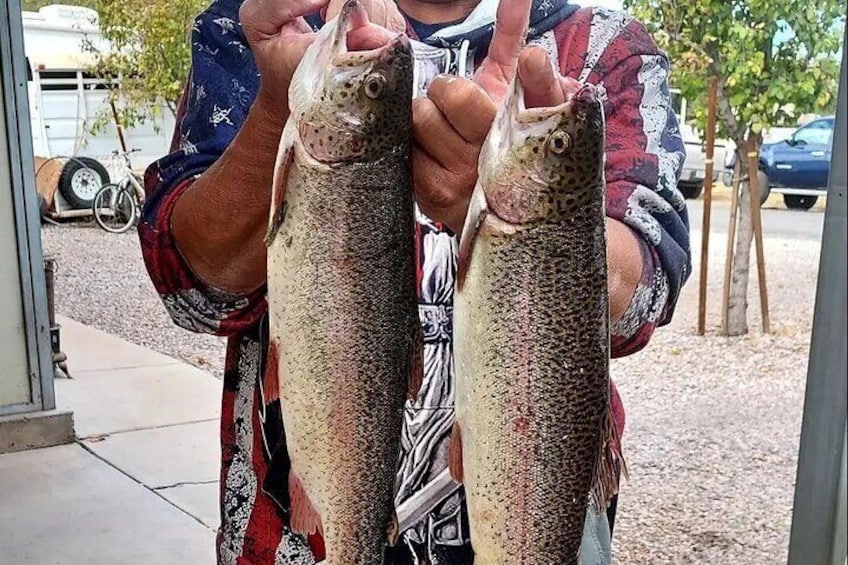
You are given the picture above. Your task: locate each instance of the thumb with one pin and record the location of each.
(383, 13)
(543, 85)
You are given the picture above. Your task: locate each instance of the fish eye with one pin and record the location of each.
(374, 86)
(559, 143)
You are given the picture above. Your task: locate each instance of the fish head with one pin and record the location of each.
(353, 106)
(542, 165)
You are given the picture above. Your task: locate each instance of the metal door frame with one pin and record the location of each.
(819, 518)
(13, 74)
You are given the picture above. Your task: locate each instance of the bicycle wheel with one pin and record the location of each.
(114, 208)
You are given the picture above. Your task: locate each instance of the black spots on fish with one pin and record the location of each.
(570, 205)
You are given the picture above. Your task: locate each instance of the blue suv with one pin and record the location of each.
(799, 166)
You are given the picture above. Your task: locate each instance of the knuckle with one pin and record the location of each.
(457, 95)
(434, 188)
(467, 94)
(246, 12)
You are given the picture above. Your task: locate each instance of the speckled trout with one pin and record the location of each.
(344, 329)
(533, 420)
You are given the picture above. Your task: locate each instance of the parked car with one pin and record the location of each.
(691, 182)
(798, 166)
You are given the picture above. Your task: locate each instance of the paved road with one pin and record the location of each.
(777, 220)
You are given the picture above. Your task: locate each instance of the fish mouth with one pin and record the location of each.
(577, 102)
(358, 40)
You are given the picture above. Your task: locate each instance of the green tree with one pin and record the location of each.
(773, 61)
(35, 5)
(149, 54)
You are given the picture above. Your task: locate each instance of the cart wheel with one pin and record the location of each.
(80, 180)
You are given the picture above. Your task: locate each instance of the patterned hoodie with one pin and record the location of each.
(645, 154)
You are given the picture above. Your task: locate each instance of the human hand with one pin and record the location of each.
(279, 36)
(451, 124)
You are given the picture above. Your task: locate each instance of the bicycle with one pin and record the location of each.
(117, 206)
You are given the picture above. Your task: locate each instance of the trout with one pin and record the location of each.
(533, 422)
(345, 341)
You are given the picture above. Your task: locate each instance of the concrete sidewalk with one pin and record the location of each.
(140, 485)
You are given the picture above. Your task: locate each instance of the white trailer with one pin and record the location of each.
(65, 100)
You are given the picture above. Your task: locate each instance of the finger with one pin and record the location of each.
(297, 42)
(467, 107)
(433, 192)
(429, 178)
(542, 87)
(511, 25)
(382, 12)
(368, 37)
(569, 86)
(436, 135)
(267, 16)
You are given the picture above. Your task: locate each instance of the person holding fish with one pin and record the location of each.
(216, 255)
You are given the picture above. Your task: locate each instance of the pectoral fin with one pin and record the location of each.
(455, 454)
(477, 210)
(285, 157)
(304, 517)
(271, 381)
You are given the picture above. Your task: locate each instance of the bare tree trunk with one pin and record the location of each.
(737, 316)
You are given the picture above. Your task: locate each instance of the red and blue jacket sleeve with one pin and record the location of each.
(645, 155)
(222, 86)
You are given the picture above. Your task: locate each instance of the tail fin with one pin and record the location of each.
(609, 463)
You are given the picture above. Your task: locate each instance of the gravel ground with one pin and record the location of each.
(712, 423)
(101, 281)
